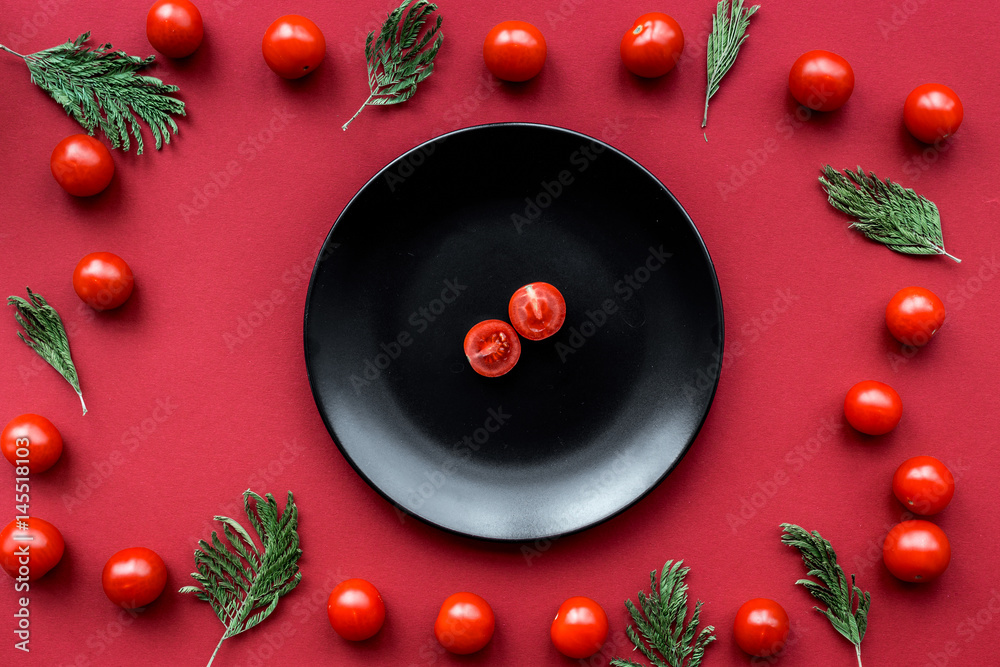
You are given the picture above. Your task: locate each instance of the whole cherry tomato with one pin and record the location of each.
(356, 610)
(653, 45)
(821, 80)
(537, 310)
(103, 280)
(82, 165)
(916, 551)
(34, 439)
(580, 628)
(914, 315)
(492, 348)
(465, 623)
(923, 484)
(873, 407)
(761, 627)
(293, 46)
(134, 577)
(174, 27)
(932, 112)
(42, 541)
(514, 51)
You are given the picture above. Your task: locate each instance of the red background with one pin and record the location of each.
(243, 415)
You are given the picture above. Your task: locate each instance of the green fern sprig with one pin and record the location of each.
(45, 334)
(661, 631)
(846, 605)
(99, 88)
(398, 60)
(886, 212)
(240, 581)
(728, 34)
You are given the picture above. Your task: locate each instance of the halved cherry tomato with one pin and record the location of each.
(103, 280)
(916, 551)
(537, 310)
(174, 27)
(761, 627)
(492, 347)
(356, 610)
(134, 577)
(914, 315)
(45, 548)
(821, 80)
(873, 407)
(293, 46)
(580, 628)
(465, 623)
(923, 484)
(932, 112)
(82, 165)
(33, 438)
(653, 45)
(514, 51)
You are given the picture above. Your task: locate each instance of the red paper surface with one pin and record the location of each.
(214, 331)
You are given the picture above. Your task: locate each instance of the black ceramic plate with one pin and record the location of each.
(589, 420)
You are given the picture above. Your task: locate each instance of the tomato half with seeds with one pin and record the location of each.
(293, 46)
(103, 280)
(134, 577)
(82, 165)
(916, 551)
(932, 112)
(174, 27)
(580, 628)
(356, 610)
(537, 310)
(514, 51)
(45, 548)
(873, 407)
(492, 348)
(914, 315)
(465, 623)
(653, 45)
(761, 627)
(34, 439)
(923, 484)
(821, 80)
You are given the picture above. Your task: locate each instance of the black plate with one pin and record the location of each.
(589, 420)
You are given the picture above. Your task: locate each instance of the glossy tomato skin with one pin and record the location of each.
(33, 438)
(134, 577)
(914, 315)
(916, 551)
(356, 610)
(932, 112)
(514, 51)
(924, 485)
(174, 27)
(821, 80)
(293, 46)
(46, 548)
(761, 627)
(537, 310)
(82, 165)
(580, 628)
(103, 280)
(653, 45)
(873, 407)
(492, 348)
(465, 623)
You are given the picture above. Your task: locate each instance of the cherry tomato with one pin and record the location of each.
(45, 548)
(514, 51)
(134, 577)
(293, 46)
(916, 551)
(580, 628)
(761, 627)
(914, 315)
(103, 280)
(537, 310)
(492, 347)
(356, 610)
(821, 80)
(82, 165)
(174, 27)
(465, 623)
(932, 112)
(873, 407)
(923, 484)
(33, 438)
(653, 45)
